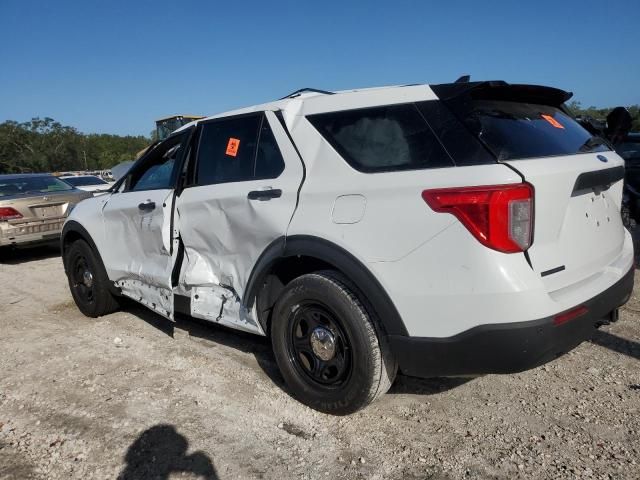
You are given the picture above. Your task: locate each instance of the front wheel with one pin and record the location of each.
(329, 348)
(88, 281)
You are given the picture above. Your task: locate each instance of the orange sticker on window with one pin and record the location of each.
(552, 121)
(232, 147)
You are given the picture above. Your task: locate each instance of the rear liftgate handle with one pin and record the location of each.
(147, 206)
(264, 195)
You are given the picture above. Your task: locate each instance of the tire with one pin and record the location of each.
(91, 293)
(330, 349)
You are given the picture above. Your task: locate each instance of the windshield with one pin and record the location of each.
(514, 130)
(27, 185)
(84, 181)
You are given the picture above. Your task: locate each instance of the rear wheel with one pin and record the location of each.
(328, 346)
(88, 281)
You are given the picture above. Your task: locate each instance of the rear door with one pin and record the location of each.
(577, 179)
(243, 194)
(138, 245)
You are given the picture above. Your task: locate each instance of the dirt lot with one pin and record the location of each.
(132, 396)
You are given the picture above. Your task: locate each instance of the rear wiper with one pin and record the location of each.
(592, 143)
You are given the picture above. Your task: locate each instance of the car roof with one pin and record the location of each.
(308, 101)
(16, 176)
(322, 99)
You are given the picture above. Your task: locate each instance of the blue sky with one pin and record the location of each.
(116, 66)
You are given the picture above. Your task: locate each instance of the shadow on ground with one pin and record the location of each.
(159, 452)
(16, 256)
(618, 344)
(260, 348)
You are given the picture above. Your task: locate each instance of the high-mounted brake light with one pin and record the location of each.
(499, 216)
(8, 213)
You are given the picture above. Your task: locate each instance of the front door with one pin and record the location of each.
(138, 242)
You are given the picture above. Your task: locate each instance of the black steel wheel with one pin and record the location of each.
(330, 349)
(318, 345)
(88, 280)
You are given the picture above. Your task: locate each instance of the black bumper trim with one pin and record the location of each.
(509, 347)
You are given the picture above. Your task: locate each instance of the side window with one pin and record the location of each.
(237, 149)
(159, 171)
(227, 150)
(382, 139)
(269, 161)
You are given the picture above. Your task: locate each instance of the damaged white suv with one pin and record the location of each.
(454, 229)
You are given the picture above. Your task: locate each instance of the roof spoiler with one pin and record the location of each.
(501, 90)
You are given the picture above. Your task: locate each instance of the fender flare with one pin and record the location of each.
(73, 226)
(341, 260)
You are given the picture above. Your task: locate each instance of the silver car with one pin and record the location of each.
(33, 207)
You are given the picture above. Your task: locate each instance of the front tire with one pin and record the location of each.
(328, 346)
(88, 281)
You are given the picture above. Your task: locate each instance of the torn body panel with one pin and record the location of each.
(220, 305)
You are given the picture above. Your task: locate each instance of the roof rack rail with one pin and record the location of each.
(303, 90)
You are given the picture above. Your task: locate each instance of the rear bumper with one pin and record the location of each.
(510, 347)
(39, 231)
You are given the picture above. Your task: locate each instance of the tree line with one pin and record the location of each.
(45, 145)
(600, 114)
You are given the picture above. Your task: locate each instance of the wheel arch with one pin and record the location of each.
(287, 258)
(73, 231)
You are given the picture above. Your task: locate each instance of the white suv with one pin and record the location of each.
(454, 229)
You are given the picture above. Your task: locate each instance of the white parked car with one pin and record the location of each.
(453, 229)
(88, 183)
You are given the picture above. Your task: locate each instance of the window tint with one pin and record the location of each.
(84, 181)
(394, 137)
(515, 130)
(228, 153)
(160, 166)
(269, 161)
(227, 150)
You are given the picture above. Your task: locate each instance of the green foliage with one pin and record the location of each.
(601, 113)
(44, 145)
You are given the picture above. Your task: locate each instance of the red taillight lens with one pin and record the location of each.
(8, 213)
(499, 216)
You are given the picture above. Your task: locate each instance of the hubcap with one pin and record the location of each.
(87, 279)
(318, 346)
(323, 343)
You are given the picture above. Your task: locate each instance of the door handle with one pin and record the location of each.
(147, 206)
(264, 195)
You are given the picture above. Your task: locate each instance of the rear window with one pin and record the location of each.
(32, 185)
(382, 139)
(84, 181)
(513, 130)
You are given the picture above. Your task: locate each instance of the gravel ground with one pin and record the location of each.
(133, 396)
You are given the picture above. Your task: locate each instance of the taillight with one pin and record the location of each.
(8, 213)
(499, 216)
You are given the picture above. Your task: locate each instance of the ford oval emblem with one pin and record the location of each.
(602, 158)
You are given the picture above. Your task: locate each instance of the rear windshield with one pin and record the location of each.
(382, 139)
(84, 181)
(29, 185)
(513, 130)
